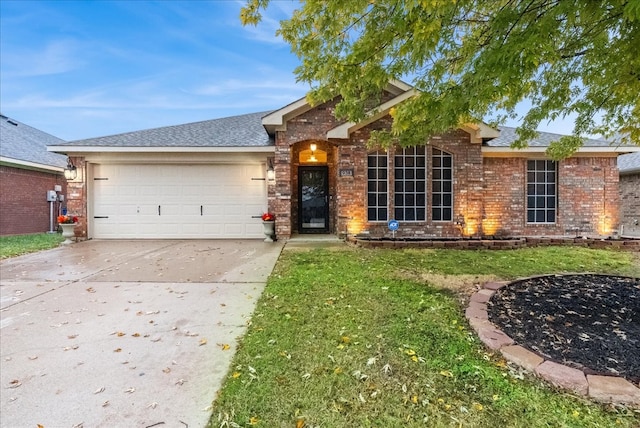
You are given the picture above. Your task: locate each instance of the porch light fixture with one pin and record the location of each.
(313, 147)
(271, 174)
(70, 172)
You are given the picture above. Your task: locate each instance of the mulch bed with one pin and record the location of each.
(589, 322)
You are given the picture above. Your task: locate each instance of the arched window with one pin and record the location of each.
(441, 186)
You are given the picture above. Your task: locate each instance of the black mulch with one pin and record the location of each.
(590, 322)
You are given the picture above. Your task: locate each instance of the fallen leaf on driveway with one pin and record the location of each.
(225, 347)
(166, 370)
(105, 404)
(14, 383)
(99, 390)
(153, 405)
(130, 390)
(202, 342)
(33, 357)
(117, 350)
(136, 335)
(72, 336)
(180, 381)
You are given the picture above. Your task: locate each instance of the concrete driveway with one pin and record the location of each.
(124, 333)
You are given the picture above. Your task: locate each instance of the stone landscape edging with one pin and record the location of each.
(603, 389)
(495, 243)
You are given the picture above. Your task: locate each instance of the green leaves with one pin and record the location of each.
(473, 60)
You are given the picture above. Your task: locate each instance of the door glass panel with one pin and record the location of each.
(314, 198)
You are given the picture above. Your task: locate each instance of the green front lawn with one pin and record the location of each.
(378, 338)
(16, 245)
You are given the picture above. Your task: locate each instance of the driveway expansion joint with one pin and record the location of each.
(603, 389)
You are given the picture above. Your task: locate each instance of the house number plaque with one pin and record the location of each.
(346, 172)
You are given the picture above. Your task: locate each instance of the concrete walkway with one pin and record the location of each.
(124, 333)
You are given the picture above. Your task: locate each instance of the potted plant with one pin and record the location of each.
(268, 223)
(67, 224)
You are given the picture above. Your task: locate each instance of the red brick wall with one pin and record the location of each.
(587, 198)
(302, 130)
(489, 193)
(630, 203)
(467, 188)
(23, 203)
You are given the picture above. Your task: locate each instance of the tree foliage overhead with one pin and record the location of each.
(473, 60)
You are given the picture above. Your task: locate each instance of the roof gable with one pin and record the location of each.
(277, 120)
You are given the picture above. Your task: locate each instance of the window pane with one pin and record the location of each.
(551, 216)
(376, 185)
(551, 202)
(541, 191)
(441, 185)
(409, 182)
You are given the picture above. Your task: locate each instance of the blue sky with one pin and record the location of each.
(81, 69)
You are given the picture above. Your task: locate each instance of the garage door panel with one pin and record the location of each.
(196, 201)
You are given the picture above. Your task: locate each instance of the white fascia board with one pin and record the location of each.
(30, 165)
(343, 131)
(102, 149)
(400, 85)
(279, 118)
(582, 151)
(479, 131)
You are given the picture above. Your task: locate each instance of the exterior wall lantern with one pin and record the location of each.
(70, 172)
(271, 174)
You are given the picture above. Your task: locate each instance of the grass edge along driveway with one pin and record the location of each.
(377, 338)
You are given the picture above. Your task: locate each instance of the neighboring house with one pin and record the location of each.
(27, 172)
(209, 180)
(629, 166)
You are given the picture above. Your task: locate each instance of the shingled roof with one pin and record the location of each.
(248, 131)
(27, 145)
(235, 131)
(544, 139)
(629, 164)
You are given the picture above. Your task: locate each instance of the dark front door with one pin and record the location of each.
(313, 191)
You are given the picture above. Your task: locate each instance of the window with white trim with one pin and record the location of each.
(441, 186)
(410, 191)
(377, 182)
(541, 191)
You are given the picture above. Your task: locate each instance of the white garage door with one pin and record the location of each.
(178, 201)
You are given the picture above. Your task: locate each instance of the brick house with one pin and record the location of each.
(213, 179)
(27, 172)
(629, 166)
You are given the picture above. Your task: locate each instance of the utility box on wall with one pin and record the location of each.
(52, 196)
